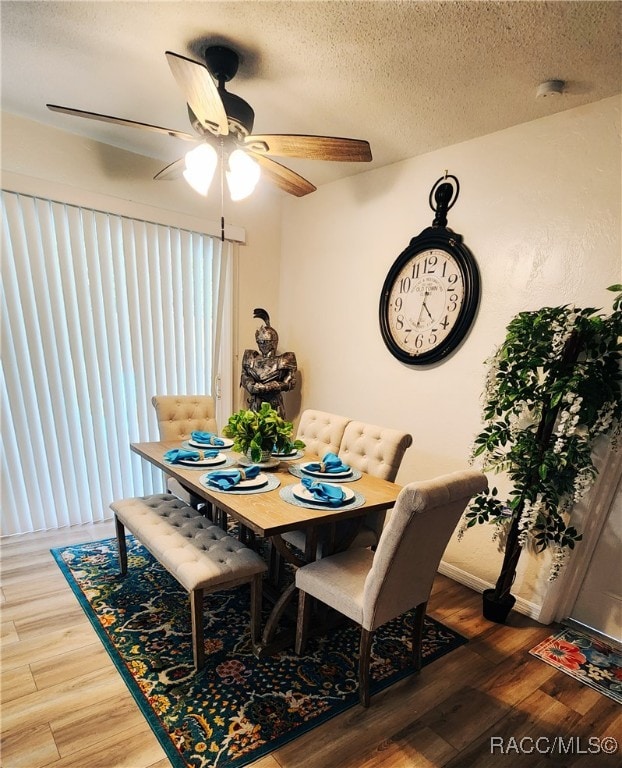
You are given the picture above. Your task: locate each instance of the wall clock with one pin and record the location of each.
(431, 293)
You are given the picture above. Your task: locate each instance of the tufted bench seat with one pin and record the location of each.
(194, 551)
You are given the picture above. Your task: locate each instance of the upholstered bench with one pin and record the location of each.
(194, 551)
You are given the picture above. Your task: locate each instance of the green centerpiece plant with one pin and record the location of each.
(259, 433)
(553, 389)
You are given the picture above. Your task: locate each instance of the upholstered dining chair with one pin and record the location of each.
(376, 450)
(321, 431)
(178, 416)
(371, 588)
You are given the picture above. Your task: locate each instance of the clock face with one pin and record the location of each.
(428, 302)
(425, 301)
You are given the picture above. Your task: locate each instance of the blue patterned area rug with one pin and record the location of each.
(587, 659)
(238, 708)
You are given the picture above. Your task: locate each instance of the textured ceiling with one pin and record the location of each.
(409, 77)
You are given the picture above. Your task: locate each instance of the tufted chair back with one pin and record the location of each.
(321, 431)
(179, 415)
(376, 450)
(379, 452)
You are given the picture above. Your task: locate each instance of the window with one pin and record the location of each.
(99, 313)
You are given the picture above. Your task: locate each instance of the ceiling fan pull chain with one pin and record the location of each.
(222, 190)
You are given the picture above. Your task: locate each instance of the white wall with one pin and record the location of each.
(540, 210)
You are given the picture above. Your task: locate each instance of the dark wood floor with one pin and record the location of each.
(65, 706)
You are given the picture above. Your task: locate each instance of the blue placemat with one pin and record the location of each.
(287, 494)
(273, 482)
(326, 477)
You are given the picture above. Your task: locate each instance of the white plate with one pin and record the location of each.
(325, 475)
(302, 493)
(278, 455)
(220, 458)
(226, 443)
(254, 482)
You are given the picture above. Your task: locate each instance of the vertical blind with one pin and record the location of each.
(99, 313)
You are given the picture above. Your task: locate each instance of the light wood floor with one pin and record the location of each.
(64, 705)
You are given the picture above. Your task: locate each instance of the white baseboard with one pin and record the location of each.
(525, 607)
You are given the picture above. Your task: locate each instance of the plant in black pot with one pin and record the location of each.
(258, 433)
(552, 390)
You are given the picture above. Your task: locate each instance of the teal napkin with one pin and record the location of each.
(176, 455)
(328, 494)
(207, 438)
(330, 463)
(225, 479)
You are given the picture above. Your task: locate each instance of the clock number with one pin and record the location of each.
(404, 285)
(399, 322)
(453, 302)
(444, 322)
(429, 267)
(432, 338)
(419, 341)
(398, 304)
(452, 278)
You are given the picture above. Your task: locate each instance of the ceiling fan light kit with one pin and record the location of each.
(200, 167)
(243, 175)
(222, 118)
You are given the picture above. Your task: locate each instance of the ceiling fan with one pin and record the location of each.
(223, 120)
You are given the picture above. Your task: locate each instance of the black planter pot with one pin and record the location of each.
(496, 610)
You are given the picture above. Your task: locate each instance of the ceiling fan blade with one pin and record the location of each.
(121, 121)
(200, 91)
(284, 178)
(310, 147)
(173, 170)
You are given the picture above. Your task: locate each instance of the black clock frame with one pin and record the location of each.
(444, 239)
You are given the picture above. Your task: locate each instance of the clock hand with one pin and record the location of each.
(423, 305)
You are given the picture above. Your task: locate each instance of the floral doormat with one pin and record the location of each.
(238, 708)
(590, 661)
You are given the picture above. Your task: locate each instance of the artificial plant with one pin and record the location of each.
(258, 432)
(553, 387)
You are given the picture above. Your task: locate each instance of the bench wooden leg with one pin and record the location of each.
(121, 545)
(196, 612)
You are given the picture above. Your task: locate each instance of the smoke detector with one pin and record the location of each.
(550, 88)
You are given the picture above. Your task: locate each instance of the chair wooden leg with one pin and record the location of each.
(256, 608)
(417, 636)
(302, 624)
(367, 637)
(122, 546)
(196, 613)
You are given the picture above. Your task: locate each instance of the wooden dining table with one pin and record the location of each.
(267, 515)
